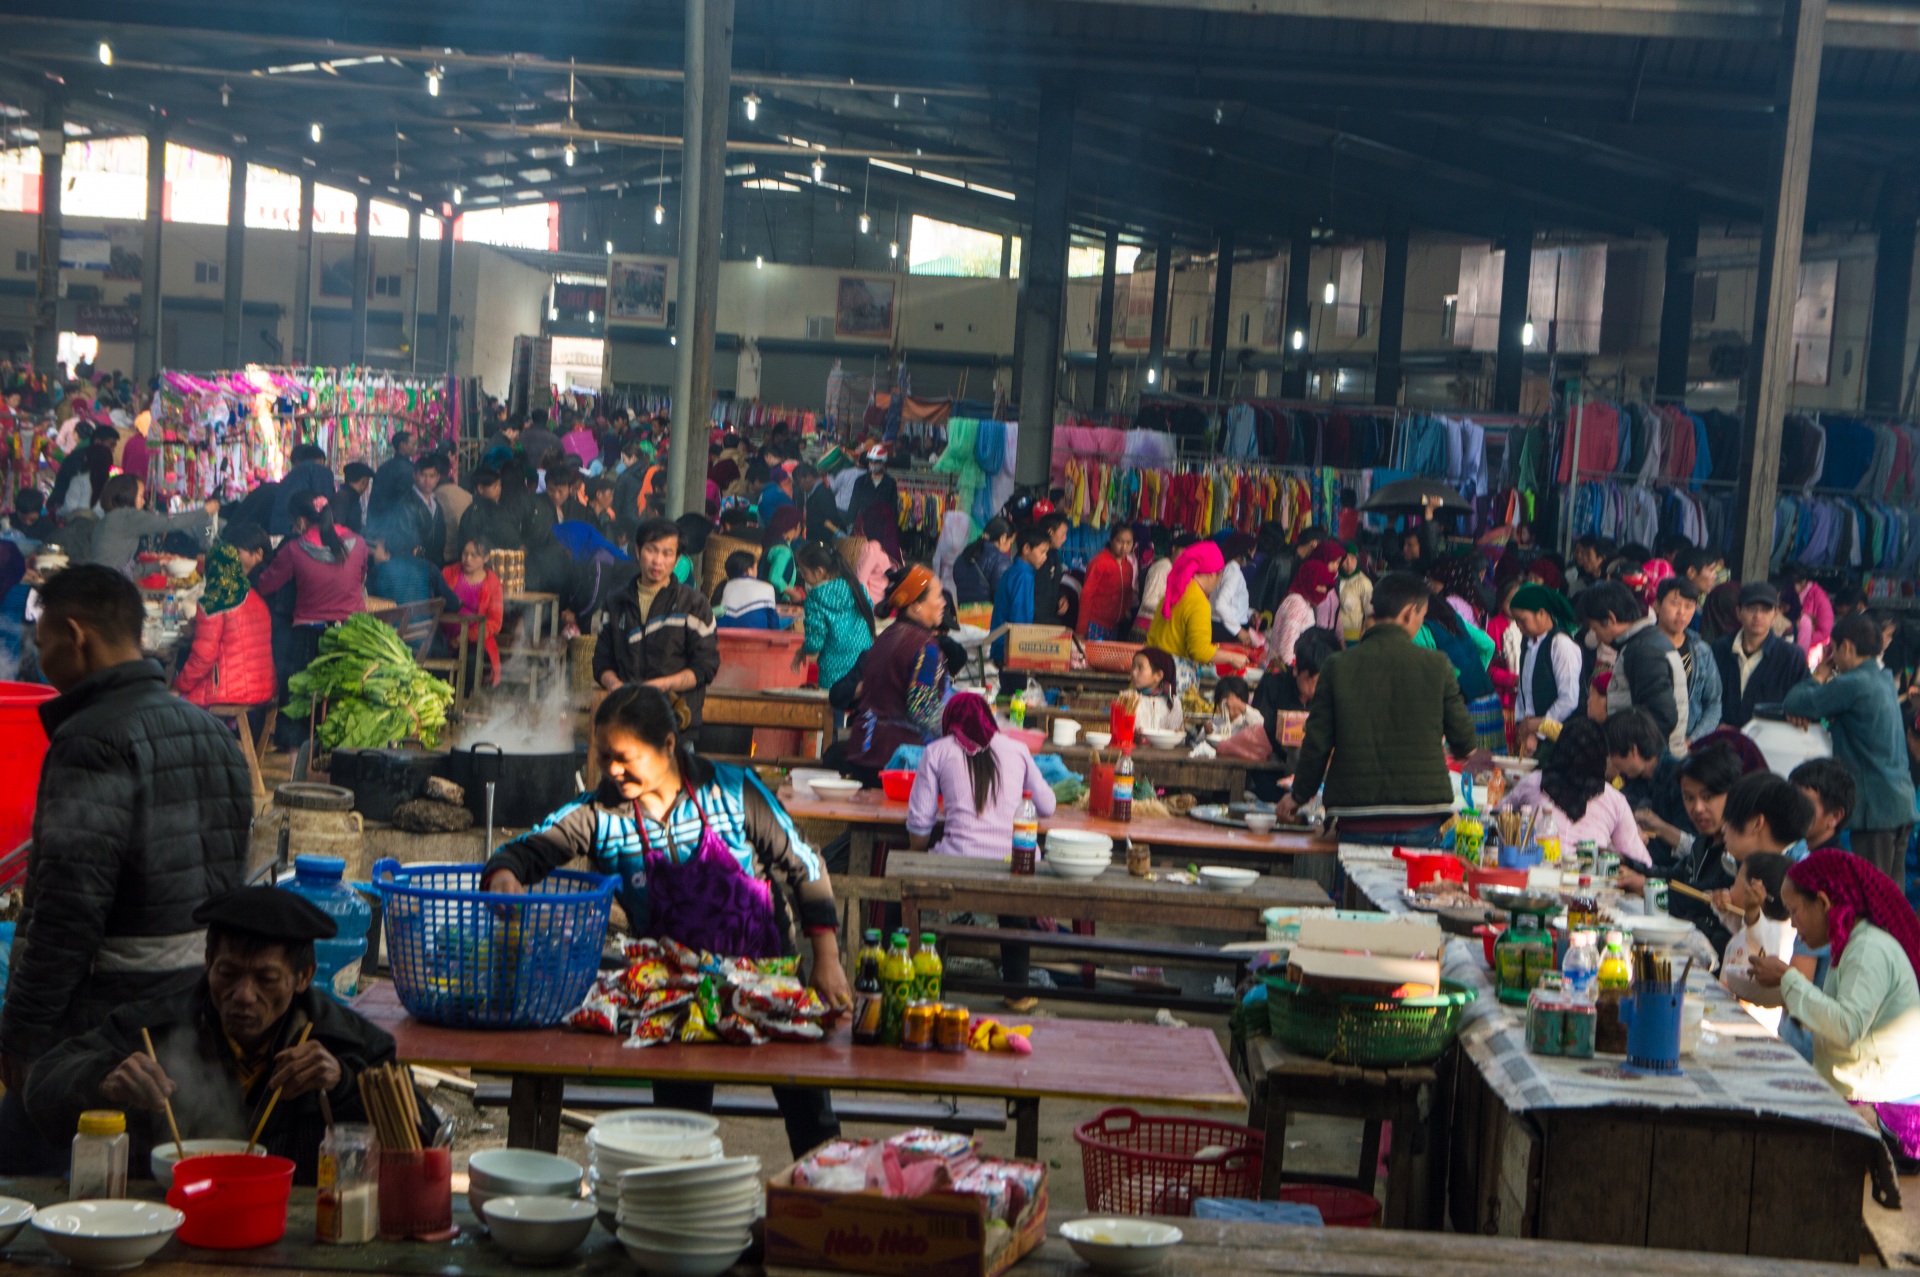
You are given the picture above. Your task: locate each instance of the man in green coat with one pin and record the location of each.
(1375, 729)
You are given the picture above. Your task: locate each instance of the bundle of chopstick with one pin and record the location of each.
(1653, 971)
(386, 1092)
(1516, 827)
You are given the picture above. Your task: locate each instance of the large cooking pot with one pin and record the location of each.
(382, 779)
(527, 787)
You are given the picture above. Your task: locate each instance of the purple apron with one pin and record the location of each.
(709, 902)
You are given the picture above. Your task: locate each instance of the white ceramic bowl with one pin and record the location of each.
(1165, 740)
(107, 1236)
(674, 1261)
(1099, 740)
(719, 1172)
(1077, 870)
(1260, 822)
(1077, 843)
(1225, 878)
(841, 788)
(162, 1159)
(1121, 1245)
(1656, 928)
(14, 1215)
(524, 1172)
(539, 1229)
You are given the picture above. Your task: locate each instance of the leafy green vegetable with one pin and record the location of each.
(376, 695)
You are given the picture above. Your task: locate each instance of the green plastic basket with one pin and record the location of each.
(1356, 1029)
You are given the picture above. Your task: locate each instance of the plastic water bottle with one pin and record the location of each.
(1026, 834)
(321, 880)
(1580, 969)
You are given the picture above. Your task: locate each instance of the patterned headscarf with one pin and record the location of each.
(1859, 893)
(968, 720)
(227, 584)
(1198, 559)
(1460, 575)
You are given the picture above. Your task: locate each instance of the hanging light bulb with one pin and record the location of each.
(758, 261)
(106, 54)
(1299, 339)
(226, 95)
(609, 248)
(896, 101)
(568, 154)
(1153, 376)
(659, 214)
(893, 250)
(589, 317)
(433, 83)
(1526, 332)
(1330, 294)
(456, 194)
(313, 131)
(752, 103)
(819, 169)
(866, 223)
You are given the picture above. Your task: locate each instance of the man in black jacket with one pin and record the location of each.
(825, 519)
(659, 632)
(142, 816)
(486, 519)
(1648, 672)
(394, 477)
(1049, 608)
(225, 1044)
(1757, 667)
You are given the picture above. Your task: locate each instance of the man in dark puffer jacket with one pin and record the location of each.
(142, 816)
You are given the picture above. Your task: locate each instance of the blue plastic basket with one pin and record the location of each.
(477, 960)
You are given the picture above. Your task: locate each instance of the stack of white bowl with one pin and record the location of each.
(693, 1219)
(519, 1172)
(1074, 853)
(637, 1139)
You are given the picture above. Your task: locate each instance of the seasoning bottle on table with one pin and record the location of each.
(346, 1208)
(99, 1165)
(868, 998)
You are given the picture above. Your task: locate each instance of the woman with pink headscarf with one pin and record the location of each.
(1313, 583)
(1184, 629)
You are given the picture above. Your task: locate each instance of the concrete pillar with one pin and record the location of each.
(146, 340)
(1293, 337)
(303, 277)
(709, 60)
(1044, 271)
(1509, 354)
(1892, 293)
(413, 290)
(1387, 373)
(1770, 367)
(443, 298)
(1162, 293)
(236, 267)
(1676, 310)
(1222, 306)
(362, 271)
(46, 308)
(1006, 255)
(1103, 326)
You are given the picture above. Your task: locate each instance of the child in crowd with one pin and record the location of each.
(743, 601)
(1759, 921)
(1159, 708)
(1232, 707)
(838, 615)
(1356, 595)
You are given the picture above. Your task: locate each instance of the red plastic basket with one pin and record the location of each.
(1338, 1207)
(1136, 1165)
(1111, 656)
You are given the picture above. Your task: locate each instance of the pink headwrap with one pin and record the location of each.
(1197, 559)
(1858, 892)
(969, 720)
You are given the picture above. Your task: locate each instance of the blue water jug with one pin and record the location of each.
(321, 879)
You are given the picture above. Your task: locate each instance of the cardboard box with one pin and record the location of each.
(939, 1235)
(1293, 728)
(1363, 974)
(1392, 937)
(1039, 647)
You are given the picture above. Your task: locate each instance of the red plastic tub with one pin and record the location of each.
(23, 746)
(898, 784)
(760, 659)
(232, 1201)
(1338, 1207)
(1431, 866)
(1479, 878)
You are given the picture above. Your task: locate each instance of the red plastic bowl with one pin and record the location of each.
(897, 784)
(1431, 866)
(232, 1201)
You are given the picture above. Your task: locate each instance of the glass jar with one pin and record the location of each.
(346, 1211)
(99, 1165)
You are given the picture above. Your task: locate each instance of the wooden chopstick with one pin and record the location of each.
(179, 1148)
(1686, 890)
(275, 1097)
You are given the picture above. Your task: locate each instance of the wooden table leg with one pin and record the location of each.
(1026, 1126)
(859, 851)
(1273, 1158)
(533, 1111)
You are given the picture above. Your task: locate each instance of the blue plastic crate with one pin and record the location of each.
(474, 960)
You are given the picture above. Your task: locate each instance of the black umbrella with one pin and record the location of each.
(1413, 495)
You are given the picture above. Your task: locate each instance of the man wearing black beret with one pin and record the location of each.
(225, 1047)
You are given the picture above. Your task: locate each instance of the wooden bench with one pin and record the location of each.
(1096, 947)
(962, 1116)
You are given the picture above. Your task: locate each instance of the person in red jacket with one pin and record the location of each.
(231, 661)
(478, 586)
(1108, 597)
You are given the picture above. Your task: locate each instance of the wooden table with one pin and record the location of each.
(1072, 1059)
(545, 621)
(964, 884)
(868, 813)
(1210, 1249)
(1175, 769)
(755, 707)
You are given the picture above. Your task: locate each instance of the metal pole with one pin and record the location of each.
(1103, 325)
(1222, 308)
(1162, 291)
(1044, 272)
(1299, 311)
(146, 340)
(717, 52)
(46, 312)
(413, 290)
(1510, 352)
(303, 277)
(236, 266)
(362, 269)
(443, 298)
(1387, 370)
(682, 423)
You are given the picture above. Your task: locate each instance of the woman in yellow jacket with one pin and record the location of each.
(1184, 629)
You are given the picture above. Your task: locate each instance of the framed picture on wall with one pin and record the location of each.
(637, 293)
(865, 309)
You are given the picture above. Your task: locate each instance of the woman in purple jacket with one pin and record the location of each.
(327, 566)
